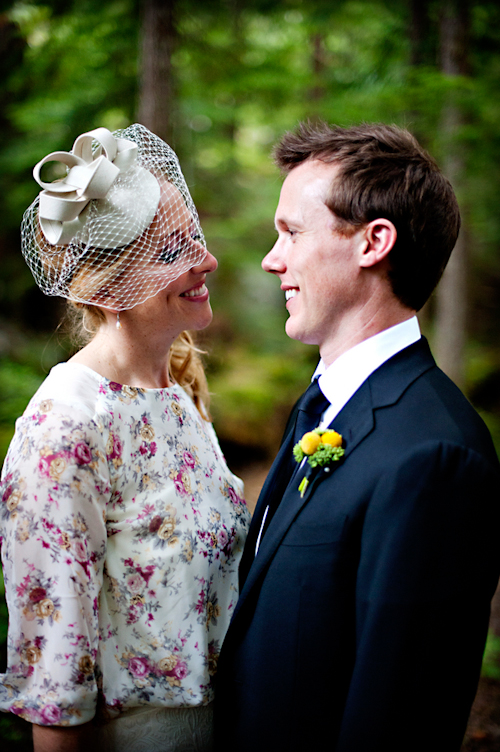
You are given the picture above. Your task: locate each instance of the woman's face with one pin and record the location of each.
(123, 278)
(172, 240)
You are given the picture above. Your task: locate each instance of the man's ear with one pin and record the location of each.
(380, 236)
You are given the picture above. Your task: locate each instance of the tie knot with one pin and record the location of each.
(313, 401)
(311, 405)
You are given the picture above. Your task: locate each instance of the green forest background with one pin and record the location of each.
(221, 80)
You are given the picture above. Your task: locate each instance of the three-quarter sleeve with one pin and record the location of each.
(54, 490)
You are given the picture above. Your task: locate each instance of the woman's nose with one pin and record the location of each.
(207, 264)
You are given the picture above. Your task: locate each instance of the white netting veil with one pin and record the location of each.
(119, 227)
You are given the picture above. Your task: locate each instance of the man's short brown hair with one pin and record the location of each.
(383, 172)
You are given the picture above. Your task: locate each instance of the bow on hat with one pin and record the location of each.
(90, 176)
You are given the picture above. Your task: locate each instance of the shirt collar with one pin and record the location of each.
(344, 376)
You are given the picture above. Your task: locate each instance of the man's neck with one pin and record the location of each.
(362, 327)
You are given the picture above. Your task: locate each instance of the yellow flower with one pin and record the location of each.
(176, 408)
(137, 600)
(86, 665)
(57, 467)
(13, 500)
(332, 438)
(168, 663)
(33, 654)
(310, 442)
(186, 482)
(129, 391)
(22, 532)
(44, 608)
(212, 663)
(166, 528)
(147, 432)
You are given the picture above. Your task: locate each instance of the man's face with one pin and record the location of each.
(317, 265)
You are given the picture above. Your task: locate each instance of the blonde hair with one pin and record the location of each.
(185, 364)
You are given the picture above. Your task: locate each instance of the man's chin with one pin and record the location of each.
(295, 331)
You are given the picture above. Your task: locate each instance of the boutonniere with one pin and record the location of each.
(319, 448)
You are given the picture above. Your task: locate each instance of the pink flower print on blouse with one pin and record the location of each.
(42, 603)
(52, 466)
(135, 583)
(50, 714)
(236, 500)
(37, 594)
(114, 449)
(12, 497)
(164, 528)
(223, 539)
(149, 449)
(177, 409)
(174, 669)
(189, 459)
(82, 453)
(139, 667)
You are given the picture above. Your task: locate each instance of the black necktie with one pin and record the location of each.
(311, 406)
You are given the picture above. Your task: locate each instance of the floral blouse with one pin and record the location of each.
(122, 532)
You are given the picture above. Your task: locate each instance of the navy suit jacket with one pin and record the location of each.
(362, 620)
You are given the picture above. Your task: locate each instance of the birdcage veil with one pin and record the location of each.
(119, 227)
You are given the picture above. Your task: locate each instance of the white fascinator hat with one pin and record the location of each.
(118, 227)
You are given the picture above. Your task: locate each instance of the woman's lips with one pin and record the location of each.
(196, 292)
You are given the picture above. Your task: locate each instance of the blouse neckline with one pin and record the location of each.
(99, 377)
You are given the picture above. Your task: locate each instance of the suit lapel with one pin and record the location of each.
(358, 420)
(355, 421)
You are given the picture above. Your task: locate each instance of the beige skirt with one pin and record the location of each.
(159, 730)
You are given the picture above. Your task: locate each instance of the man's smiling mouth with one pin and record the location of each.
(291, 293)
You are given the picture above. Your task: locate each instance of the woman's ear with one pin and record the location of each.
(380, 236)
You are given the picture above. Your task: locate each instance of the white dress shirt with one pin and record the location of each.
(344, 376)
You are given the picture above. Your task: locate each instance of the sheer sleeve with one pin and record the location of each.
(54, 490)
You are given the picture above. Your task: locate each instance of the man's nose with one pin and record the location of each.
(274, 262)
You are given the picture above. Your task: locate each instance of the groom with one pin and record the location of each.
(366, 587)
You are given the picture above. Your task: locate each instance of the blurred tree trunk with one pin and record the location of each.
(156, 107)
(318, 66)
(451, 299)
(421, 53)
(419, 32)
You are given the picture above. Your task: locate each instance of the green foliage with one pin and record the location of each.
(253, 393)
(325, 454)
(298, 454)
(18, 383)
(491, 659)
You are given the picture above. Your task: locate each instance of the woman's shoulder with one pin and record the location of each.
(69, 385)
